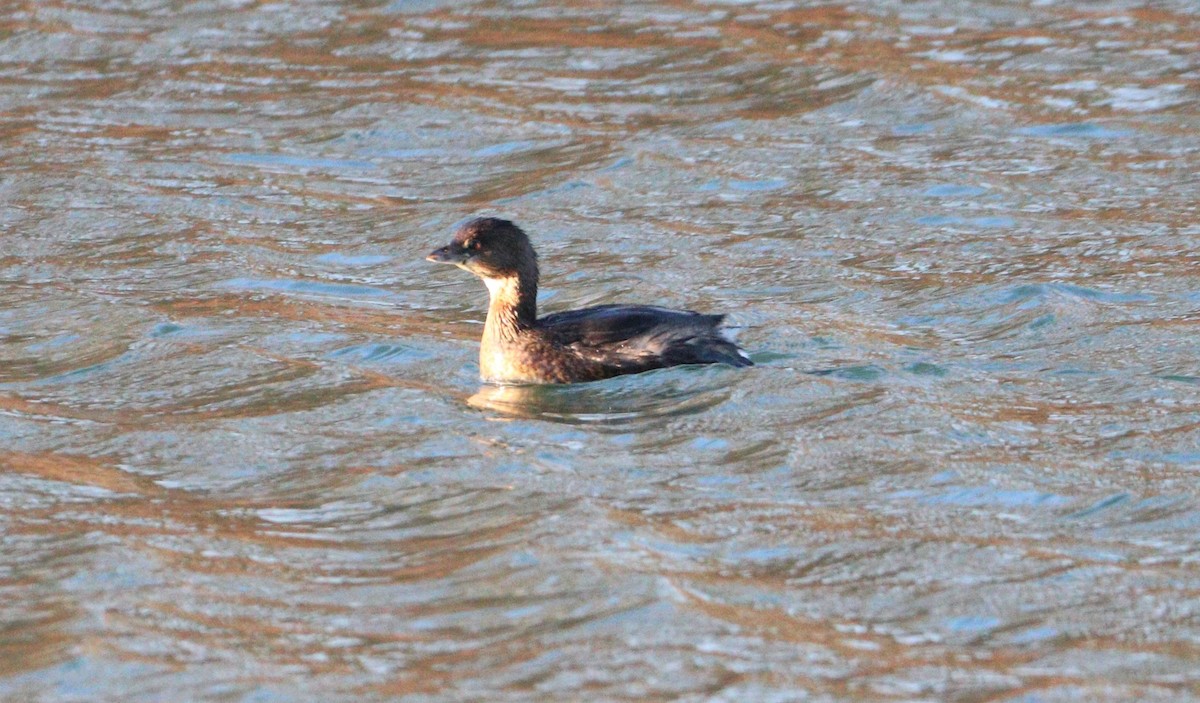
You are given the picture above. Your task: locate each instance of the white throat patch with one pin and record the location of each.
(501, 287)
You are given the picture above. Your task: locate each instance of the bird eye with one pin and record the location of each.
(473, 244)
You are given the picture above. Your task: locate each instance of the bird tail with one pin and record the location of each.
(708, 345)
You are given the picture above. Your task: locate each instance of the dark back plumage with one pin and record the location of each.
(633, 338)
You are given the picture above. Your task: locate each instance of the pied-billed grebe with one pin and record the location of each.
(579, 345)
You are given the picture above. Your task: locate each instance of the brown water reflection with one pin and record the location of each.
(244, 453)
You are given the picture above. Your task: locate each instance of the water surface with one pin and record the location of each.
(244, 454)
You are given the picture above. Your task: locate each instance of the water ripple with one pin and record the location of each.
(246, 455)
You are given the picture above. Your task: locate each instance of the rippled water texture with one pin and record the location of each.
(244, 454)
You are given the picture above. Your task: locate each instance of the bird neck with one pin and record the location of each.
(513, 303)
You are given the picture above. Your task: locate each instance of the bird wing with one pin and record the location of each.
(608, 325)
(642, 337)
